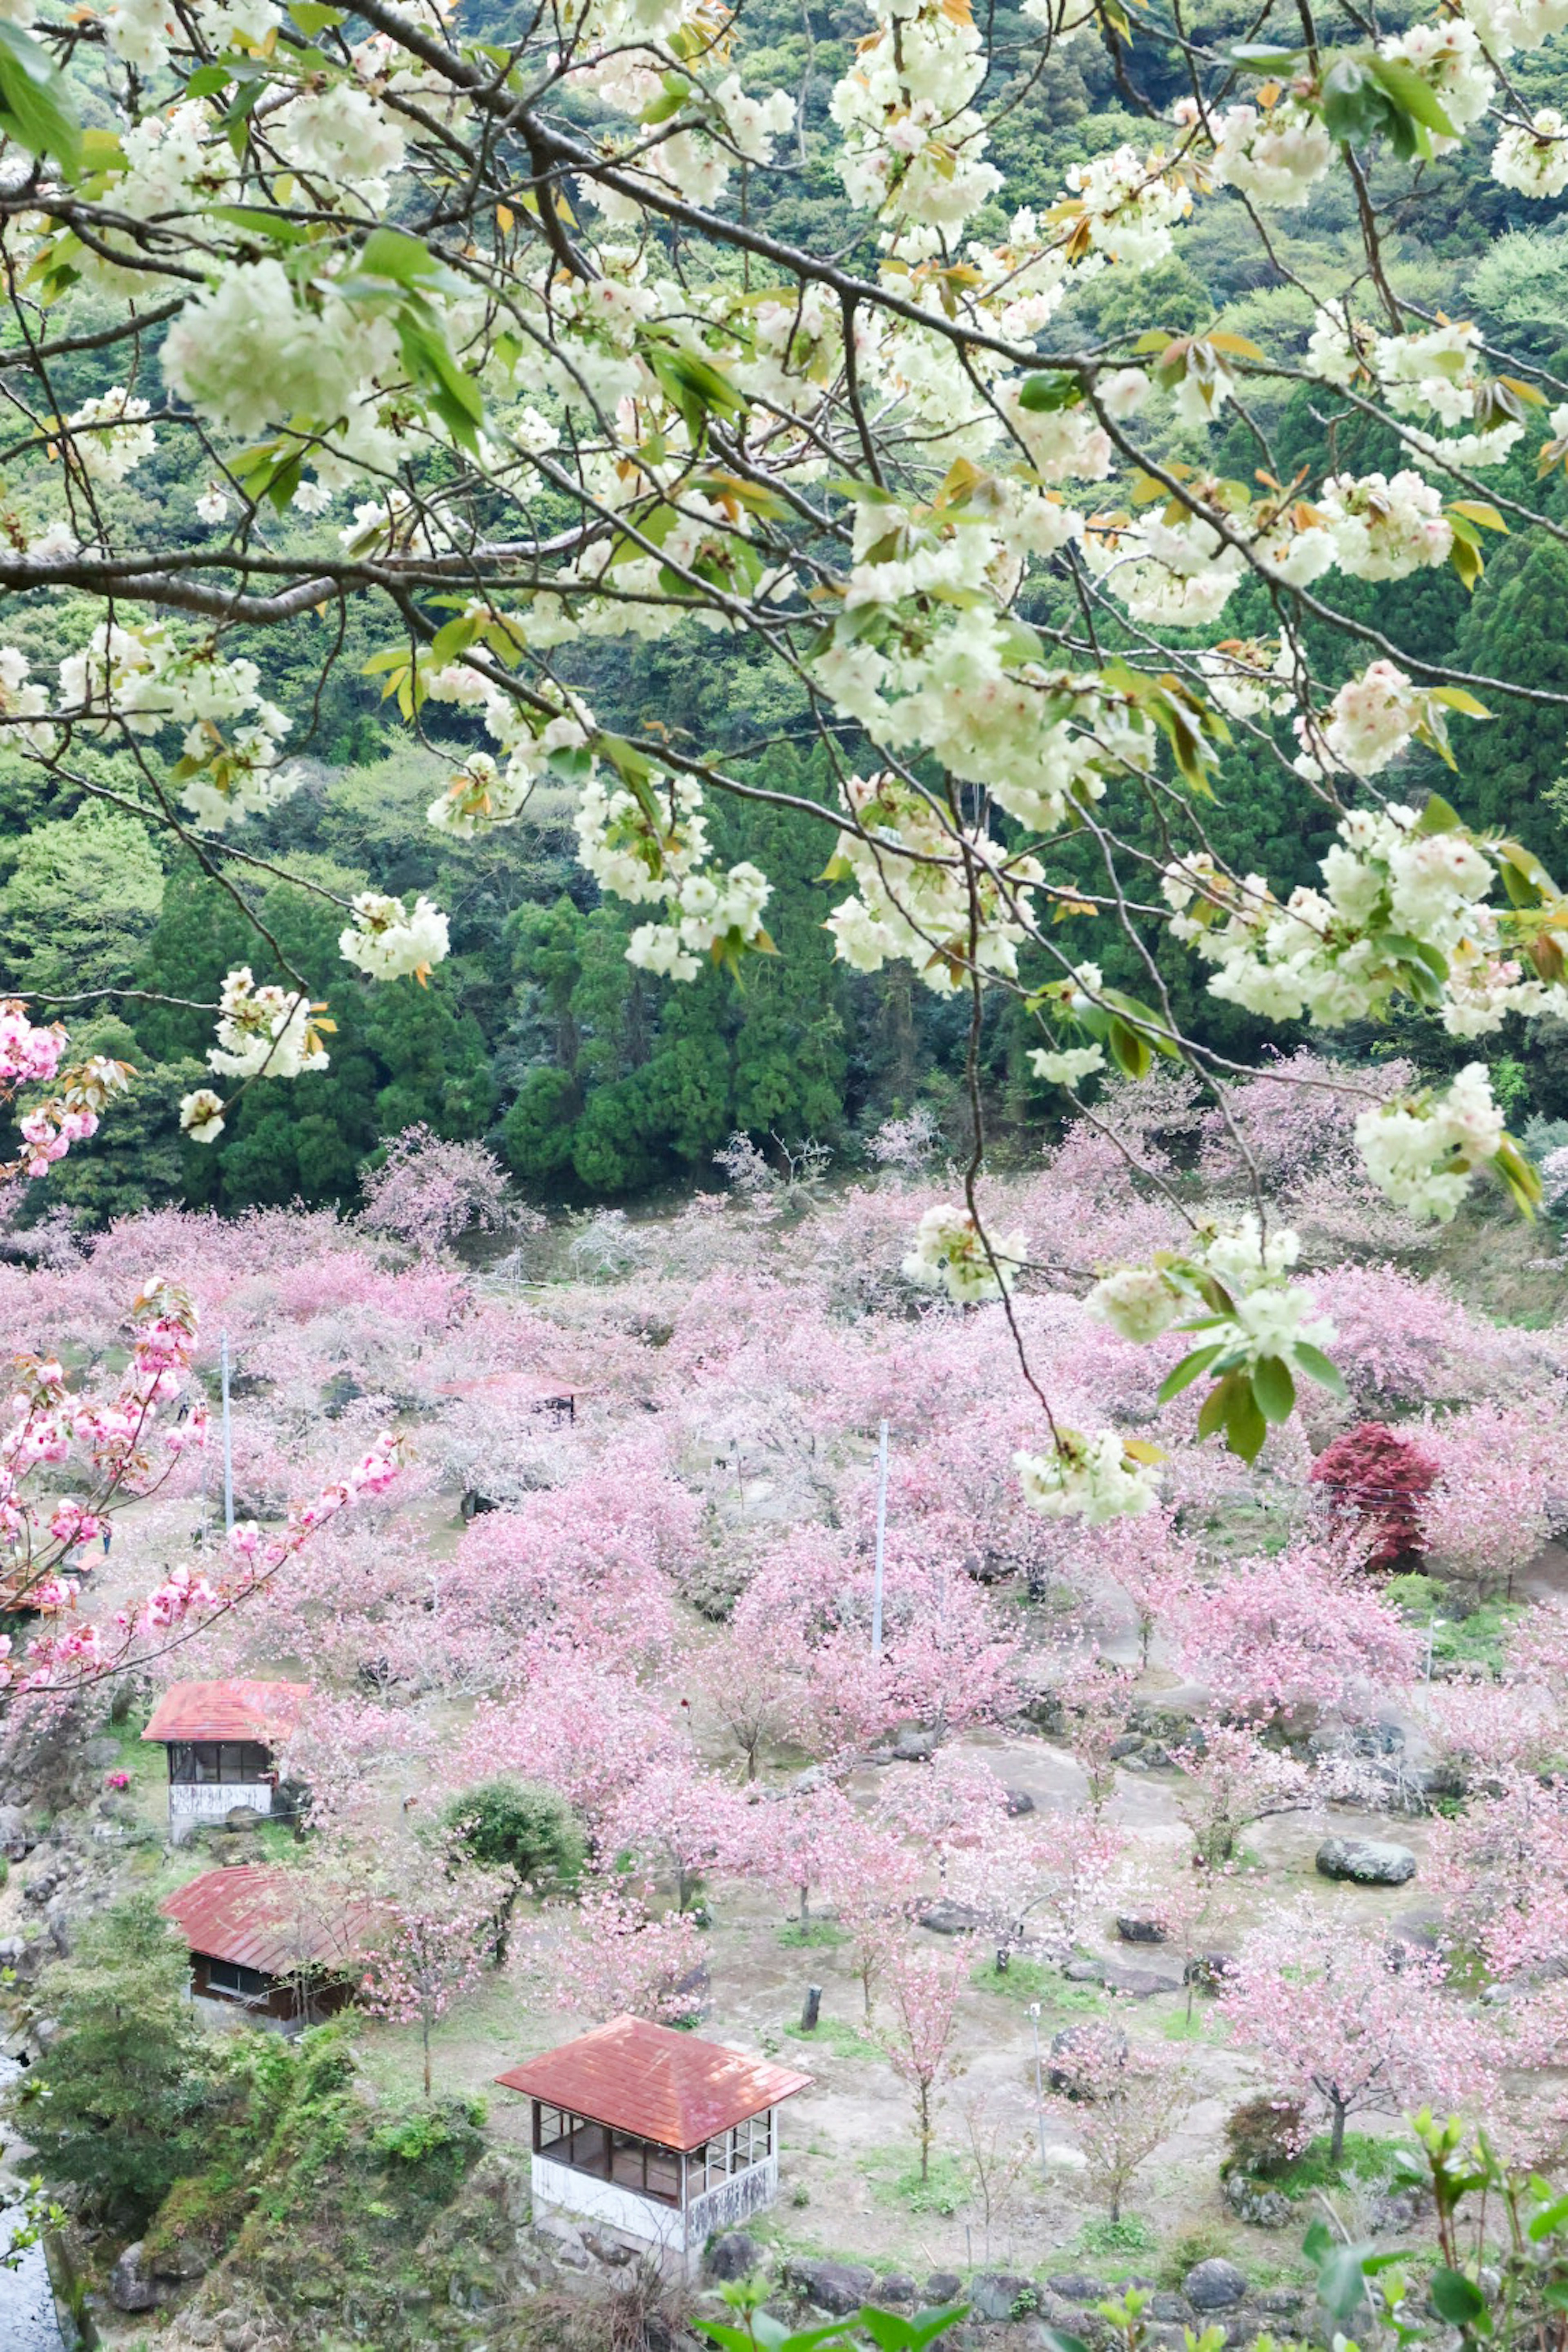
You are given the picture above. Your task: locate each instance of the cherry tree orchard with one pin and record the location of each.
(502, 328)
(963, 1569)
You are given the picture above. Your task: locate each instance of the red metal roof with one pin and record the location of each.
(261, 1711)
(273, 1920)
(648, 2079)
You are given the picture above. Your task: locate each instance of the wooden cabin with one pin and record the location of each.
(271, 1943)
(656, 2136)
(224, 1741)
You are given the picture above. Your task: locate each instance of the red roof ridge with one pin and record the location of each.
(651, 2079)
(227, 1711)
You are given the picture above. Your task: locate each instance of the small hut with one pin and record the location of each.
(272, 1943)
(223, 1741)
(658, 2137)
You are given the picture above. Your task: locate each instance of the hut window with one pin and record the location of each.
(218, 1763)
(241, 1983)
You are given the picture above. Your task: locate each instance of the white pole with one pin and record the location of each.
(882, 1539)
(227, 1449)
(1039, 2086)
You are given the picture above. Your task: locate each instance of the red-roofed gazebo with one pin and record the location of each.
(659, 2135)
(223, 1740)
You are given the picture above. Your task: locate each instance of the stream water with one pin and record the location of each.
(27, 2321)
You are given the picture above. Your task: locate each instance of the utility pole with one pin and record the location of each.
(227, 1449)
(881, 1541)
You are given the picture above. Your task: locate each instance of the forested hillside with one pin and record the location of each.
(592, 1078)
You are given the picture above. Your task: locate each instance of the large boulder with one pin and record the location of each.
(14, 1835)
(1000, 2295)
(1214, 2285)
(183, 2260)
(734, 2256)
(1140, 1983)
(130, 2286)
(1251, 2201)
(1133, 1930)
(1366, 1862)
(836, 2288)
(944, 1918)
(942, 2287)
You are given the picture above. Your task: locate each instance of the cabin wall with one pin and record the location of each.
(279, 2006)
(192, 1803)
(642, 2218)
(733, 2201)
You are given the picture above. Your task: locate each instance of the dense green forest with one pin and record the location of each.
(594, 1079)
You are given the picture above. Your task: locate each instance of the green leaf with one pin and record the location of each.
(36, 108)
(1489, 518)
(1273, 1390)
(933, 2322)
(1412, 95)
(1457, 2298)
(1341, 2285)
(388, 253)
(313, 17)
(1129, 1051)
(1437, 816)
(1320, 1368)
(891, 2332)
(1548, 2220)
(1467, 560)
(1245, 1427)
(1058, 2340)
(1186, 1373)
(273, 227)
(1215, 1406)
(1042, 393)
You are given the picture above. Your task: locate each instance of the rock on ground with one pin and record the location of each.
(1369, 1861)
(1214, 2285)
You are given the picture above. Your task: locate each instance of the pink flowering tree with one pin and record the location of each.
(675, 1821)
(1230, 1780)
(1343, 2022)
(608, 1953)
(1486, 1517)
(1503, 1863)
(923, 1986)
(814, 1838)
(1050, 1880)
(431, 1943)
(74, 1096)
(1294, 1629)
(1097, 1698)
(426, 1191)
(131, 1443)
(951, 1805)
(1122, 2100)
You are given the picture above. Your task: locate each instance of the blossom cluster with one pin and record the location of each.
(650, 846)
(386, 941)
(953, 1256)
(1404, 908)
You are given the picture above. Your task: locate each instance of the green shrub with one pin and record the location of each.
(1264, 2137)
